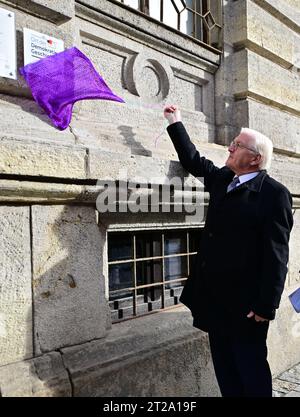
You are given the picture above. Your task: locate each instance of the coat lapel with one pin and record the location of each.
(254, 184)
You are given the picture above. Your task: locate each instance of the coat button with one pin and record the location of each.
(210, 234)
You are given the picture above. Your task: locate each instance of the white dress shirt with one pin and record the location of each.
(246, 177)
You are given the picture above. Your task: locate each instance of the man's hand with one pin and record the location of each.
(172, 114)
(257, 318)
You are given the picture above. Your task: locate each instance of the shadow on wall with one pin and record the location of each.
(68, 294)
(20, 373)
(69, 302)
(129, 138)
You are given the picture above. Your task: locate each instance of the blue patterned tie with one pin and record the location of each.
(233, 184)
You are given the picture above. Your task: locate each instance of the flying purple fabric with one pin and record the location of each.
(58, 81)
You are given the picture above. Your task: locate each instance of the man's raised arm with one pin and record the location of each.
(187, 153)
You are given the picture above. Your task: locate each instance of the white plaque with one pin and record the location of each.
(8, 65)
(39, 45)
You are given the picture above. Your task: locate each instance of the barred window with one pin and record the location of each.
(147, 269)
(200, 19)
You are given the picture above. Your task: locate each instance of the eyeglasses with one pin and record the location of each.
(236, 145)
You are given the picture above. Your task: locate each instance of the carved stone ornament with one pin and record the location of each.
(148, 78)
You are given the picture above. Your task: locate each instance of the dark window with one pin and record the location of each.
(147, 270)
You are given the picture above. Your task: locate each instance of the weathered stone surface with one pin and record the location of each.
(25, 157)
(281, 127)
(105, 164)
(273, 39)
(15, 285)
(22, 118)
(286, 10)
(263, 79)
(158, 355)
(284, 337)
(284, 386)
(293, 394)
(26, 191)
(54, 10)
(68, 281)
(294, 270)
(226, 117)
(286, 170)
(44, 376)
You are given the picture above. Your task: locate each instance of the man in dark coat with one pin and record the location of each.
(237, 280)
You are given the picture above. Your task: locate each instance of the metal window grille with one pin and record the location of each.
(147, 270)
(200, 19)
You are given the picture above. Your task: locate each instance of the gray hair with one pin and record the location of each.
(263, 145)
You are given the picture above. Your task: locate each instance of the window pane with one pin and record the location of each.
(175, 268)
(120, 276)
(175, 243)
(132, 3)
(148, 272)
(186, 22)
(121, 299)
(148, 245)
(119, 247)
(154, 9)
(170, 16)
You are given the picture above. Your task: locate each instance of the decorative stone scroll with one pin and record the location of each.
(148, 78)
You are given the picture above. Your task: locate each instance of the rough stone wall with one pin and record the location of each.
(56, 337)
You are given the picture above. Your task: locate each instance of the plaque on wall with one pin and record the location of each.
(39, 45)
(8, 65)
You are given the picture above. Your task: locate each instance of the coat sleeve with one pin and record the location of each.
(189, 156)
(276, 234)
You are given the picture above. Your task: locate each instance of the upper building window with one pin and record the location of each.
(147, 270)
(200, 19)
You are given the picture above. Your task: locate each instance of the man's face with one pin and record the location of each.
(242, 155)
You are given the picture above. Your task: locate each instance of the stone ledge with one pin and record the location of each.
(128, 362)
(57, 11)
(272, 39)
(264, 80)
(280, 126)
(44, 376)
(286, 11)
(25, 157)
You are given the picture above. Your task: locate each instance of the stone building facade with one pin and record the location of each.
(62, 327)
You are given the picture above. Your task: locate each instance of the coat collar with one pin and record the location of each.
(254, 184)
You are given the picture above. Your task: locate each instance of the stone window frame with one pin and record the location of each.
(143, 299)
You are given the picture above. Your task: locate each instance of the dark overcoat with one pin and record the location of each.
(241, 264)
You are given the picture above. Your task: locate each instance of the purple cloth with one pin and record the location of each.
(58, 81)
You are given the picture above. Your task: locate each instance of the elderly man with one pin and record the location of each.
(236, 283)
